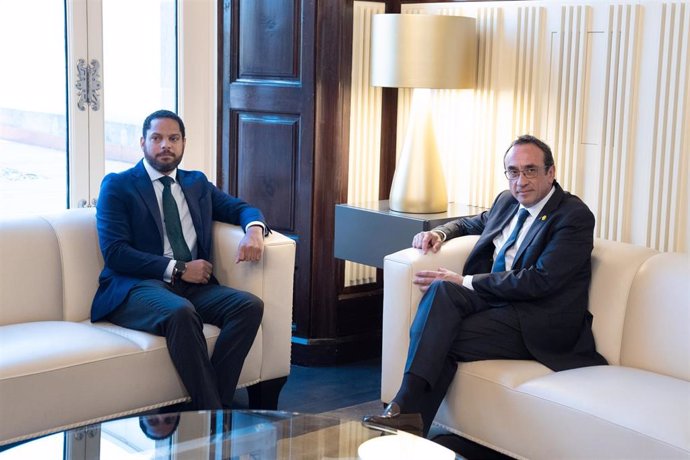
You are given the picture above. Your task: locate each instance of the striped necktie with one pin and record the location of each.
(500, 262)
(173, 226)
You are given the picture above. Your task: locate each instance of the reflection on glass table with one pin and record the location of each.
(239, 434)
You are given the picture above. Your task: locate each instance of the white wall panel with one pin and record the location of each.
(665, 210)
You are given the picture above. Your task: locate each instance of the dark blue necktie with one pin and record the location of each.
(500, 262)
(173, 226)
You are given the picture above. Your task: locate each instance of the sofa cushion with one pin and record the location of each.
(80, 258)
(598, 412)
(655, 336)
(148, 342)
(41, 346)
(30, 282)
(652, 406)
(614, 266)
(54, 373)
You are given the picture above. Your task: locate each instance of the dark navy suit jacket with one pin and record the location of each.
(549, 282)
(130, 229)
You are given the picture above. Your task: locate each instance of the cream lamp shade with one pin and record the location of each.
(422, 51)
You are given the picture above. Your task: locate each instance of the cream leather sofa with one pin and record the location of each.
(59, 370)
(637, 407)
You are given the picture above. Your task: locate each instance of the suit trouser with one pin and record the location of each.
(178, 313)
(454, 324)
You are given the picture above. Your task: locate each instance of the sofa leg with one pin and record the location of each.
(264, 395)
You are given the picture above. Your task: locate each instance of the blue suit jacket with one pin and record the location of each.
(549, 282)
(130, 229)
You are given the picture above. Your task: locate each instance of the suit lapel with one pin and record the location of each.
(502, 219)
(496, 224)
(143, 184)
(540, 221)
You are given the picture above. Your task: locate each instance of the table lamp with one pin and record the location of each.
(423, 52)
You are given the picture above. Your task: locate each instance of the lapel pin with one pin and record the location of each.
(543, 217)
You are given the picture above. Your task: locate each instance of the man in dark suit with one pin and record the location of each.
(154, 227)
(523, 293)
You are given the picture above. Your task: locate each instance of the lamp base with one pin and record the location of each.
(415, 208)
(419, 185)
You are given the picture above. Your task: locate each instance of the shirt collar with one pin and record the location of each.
(536, 208)
(154, 174)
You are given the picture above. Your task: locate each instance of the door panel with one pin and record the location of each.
(269, 183)
(267, 120)
(270, 30)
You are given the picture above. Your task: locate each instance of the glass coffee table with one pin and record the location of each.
(238, 434)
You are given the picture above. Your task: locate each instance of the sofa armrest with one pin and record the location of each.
(271, 279)
(401, 298)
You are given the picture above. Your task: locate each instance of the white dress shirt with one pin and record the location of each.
(185, 217)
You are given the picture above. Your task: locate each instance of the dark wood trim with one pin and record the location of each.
(389, 118)
(331, 143)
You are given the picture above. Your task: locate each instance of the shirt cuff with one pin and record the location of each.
(167, 274)
(467, 282)
(441, 234)
(257, 223)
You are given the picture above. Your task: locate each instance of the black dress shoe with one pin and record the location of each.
(393, 419)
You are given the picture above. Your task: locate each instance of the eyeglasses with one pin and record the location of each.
(529, 173)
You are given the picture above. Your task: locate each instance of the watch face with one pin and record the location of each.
(180, 268)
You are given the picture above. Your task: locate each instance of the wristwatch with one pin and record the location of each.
(178, 270)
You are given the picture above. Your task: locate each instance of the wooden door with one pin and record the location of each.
(266, 62)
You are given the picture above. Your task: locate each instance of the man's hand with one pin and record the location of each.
(426, 241)
(424, 278)
(198, 271)
(251, 245)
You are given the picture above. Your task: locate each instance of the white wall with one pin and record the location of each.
(605, 84)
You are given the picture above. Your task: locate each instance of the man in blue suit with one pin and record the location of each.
(154, 228)
(523, 293)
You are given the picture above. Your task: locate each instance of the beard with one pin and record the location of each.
(162, 166)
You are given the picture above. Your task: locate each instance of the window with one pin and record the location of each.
(80, 78)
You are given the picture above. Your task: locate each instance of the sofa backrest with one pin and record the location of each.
(655, 334)
(614, 266)
(30, 274)
(80, 258)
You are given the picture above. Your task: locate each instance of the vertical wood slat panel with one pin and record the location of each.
(614, 204)
(607, 159)
(365, 128)
(485, 103)
(527, 69)
(629, 15)
(571, 80)
(668, 153)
